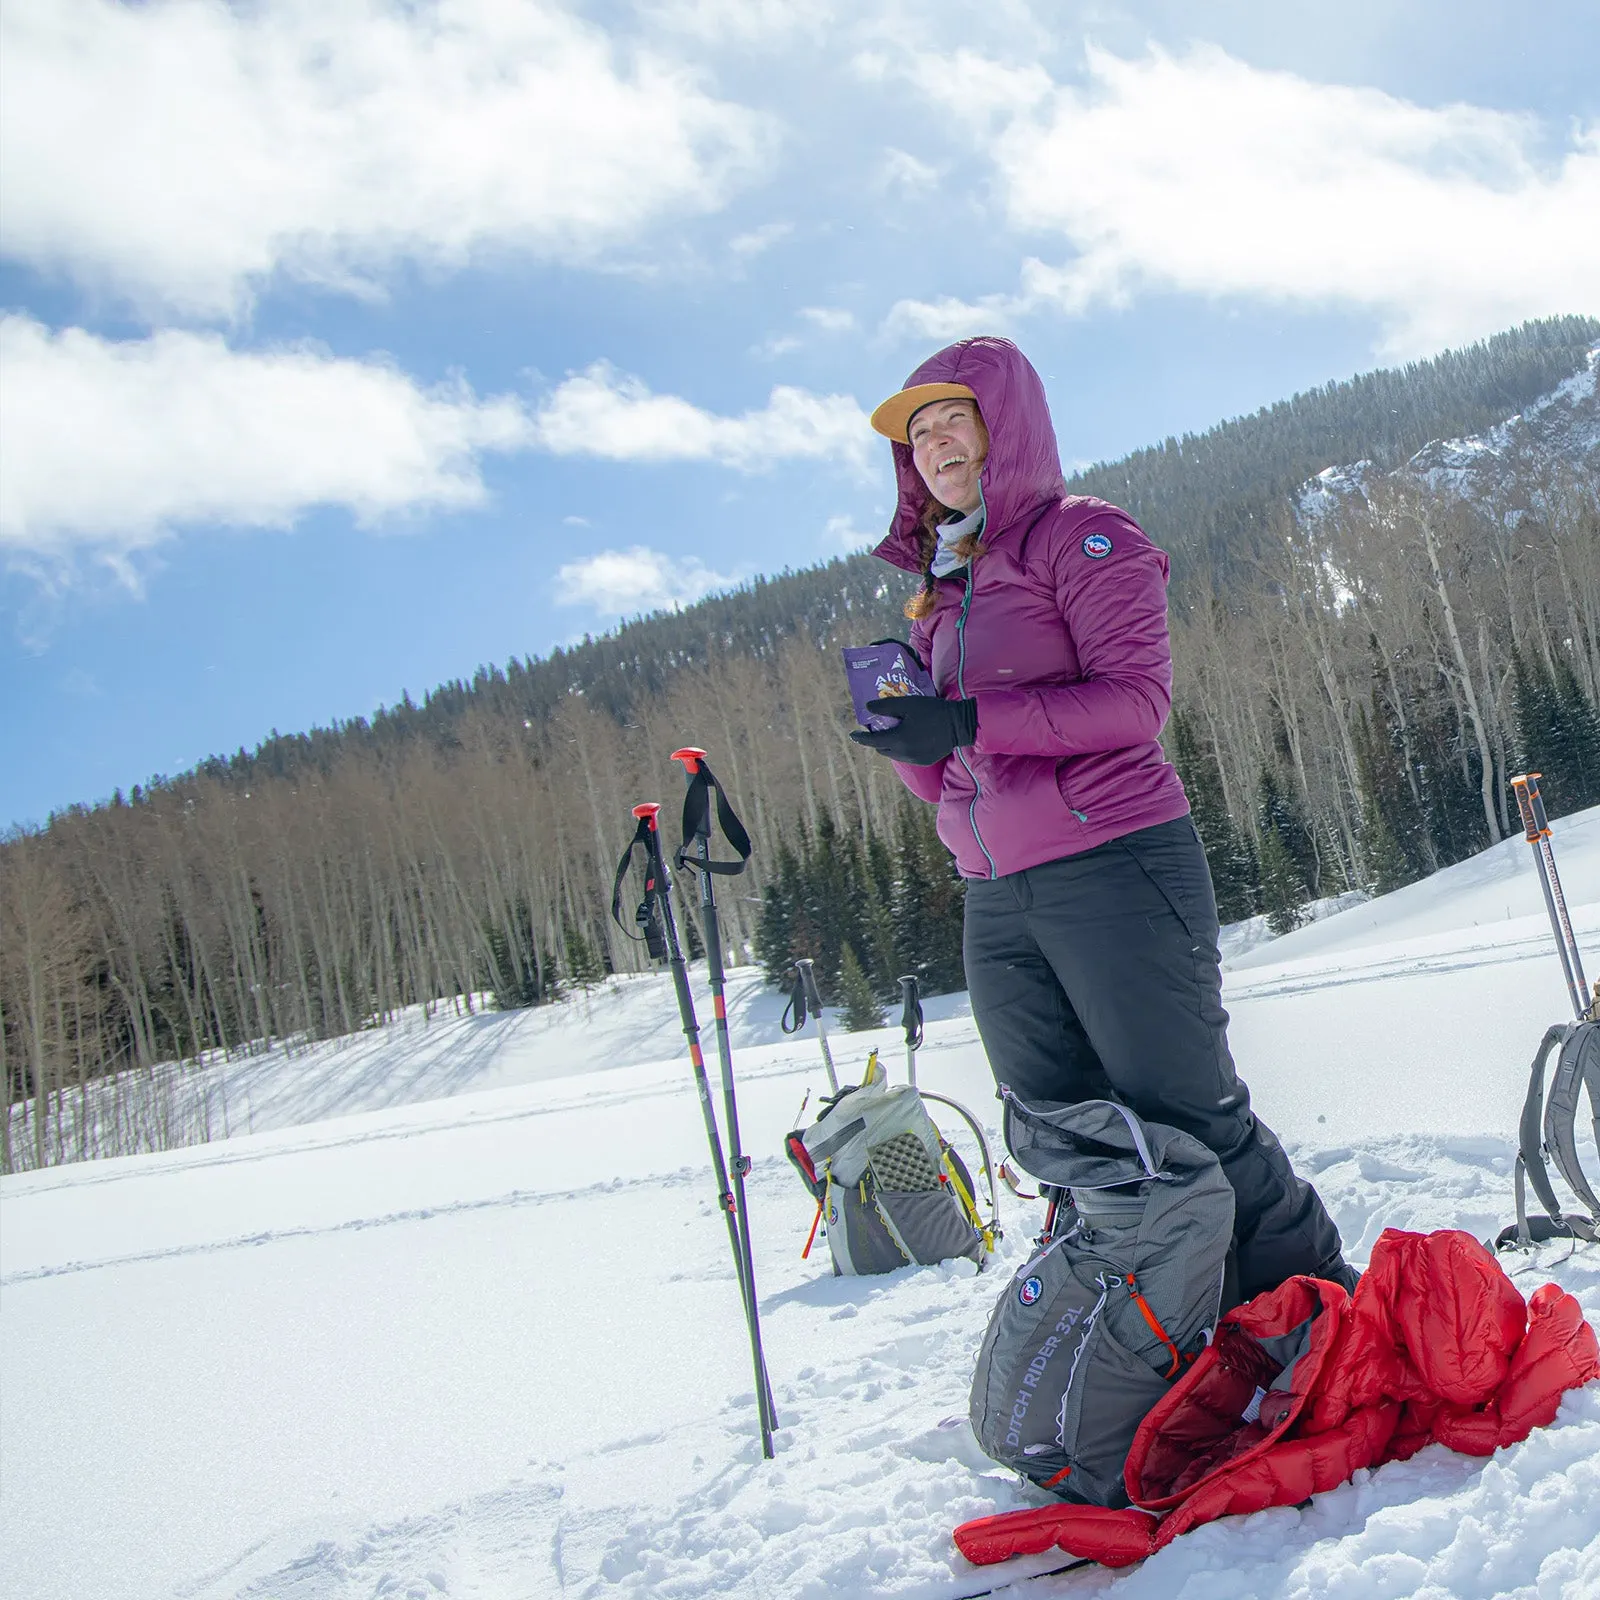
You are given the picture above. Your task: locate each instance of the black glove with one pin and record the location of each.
(928, 730)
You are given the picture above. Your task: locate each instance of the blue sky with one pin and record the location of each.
(345, 345)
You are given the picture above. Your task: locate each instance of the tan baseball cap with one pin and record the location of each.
(893, 418)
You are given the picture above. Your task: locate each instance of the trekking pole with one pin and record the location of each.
(660, 927)
(808, 994)
(695, 853)
(911, 1021)
(1537, 828)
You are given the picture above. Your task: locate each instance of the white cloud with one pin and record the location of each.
(975, 88)
(179, 152)
(759, 240)
(948, 319)
(901, 170)
(744, 22)
(620, 583)
(601, 412)
(842, 536)
(830, 319)
(1201, 174)
(109, 446)
(780, 344)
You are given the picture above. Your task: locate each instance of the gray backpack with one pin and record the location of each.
(888, 1186)
(1549, 1128)
(1094, 1327)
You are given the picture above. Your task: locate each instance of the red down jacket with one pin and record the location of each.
(1435, 1346)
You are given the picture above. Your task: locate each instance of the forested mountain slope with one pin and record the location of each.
(1360, 665)
(1208, 499)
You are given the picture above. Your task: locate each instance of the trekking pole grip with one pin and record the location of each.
(648, 813)
(1525, 786)
(808, 976)
(911, 1021)
(1536, 824)
(806, 967)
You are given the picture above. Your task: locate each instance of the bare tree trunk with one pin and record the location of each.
(1421, 517)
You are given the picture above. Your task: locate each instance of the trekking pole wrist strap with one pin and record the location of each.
(697, 824)
(794, 1013)
(643, 835)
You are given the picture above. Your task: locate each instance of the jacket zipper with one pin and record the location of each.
(961, 689)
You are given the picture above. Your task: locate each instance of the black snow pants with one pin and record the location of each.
(1098, 977)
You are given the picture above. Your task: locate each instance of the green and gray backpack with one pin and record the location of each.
(889, 1188)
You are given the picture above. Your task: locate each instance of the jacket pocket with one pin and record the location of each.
(1065, 789)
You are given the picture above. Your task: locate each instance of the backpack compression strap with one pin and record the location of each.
(991, 1230)
(1549, 1127)
(697, 819)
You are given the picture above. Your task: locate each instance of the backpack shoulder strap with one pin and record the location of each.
(1577, 1069)
(1552, 1128)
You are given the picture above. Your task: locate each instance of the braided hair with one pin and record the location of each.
(968, 547)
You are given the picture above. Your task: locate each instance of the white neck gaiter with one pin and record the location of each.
(945, 559)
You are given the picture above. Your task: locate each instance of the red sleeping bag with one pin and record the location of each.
(1306, 1383)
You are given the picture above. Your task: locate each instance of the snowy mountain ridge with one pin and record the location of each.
(1504, 471)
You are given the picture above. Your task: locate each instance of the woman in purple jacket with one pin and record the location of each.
(1091, 925)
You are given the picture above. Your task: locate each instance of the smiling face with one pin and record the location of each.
(948, 443)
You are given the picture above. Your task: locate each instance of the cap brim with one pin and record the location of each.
(893, 418)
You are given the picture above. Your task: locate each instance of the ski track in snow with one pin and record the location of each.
(489, 1347)
(875, 1464)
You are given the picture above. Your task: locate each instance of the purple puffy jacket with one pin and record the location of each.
(1060, 636)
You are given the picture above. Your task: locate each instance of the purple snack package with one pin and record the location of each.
(882, 671)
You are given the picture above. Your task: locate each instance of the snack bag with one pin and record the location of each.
(883, 671)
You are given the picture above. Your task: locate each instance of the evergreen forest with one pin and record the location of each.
(1355, 685)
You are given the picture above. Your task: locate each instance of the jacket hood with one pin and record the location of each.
(1023, 469)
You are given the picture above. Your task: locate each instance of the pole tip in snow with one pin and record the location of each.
(648, 809)
(691, 757)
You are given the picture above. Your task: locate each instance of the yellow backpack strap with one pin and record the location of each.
(968, 1204)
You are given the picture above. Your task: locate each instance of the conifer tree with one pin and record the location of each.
(1278, 811)
(1387, 866)
(883, 968)
(1579, 725)
(1283, 890)
(834, 893)
(516, 966)
(1537, 714)
(1389, 819)
(930, 901)
(1234, 872)
(861, 1007)
(775, 931)
(1284, 885)
(585, 967)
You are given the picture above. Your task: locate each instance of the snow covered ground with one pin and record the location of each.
(458, 1317)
